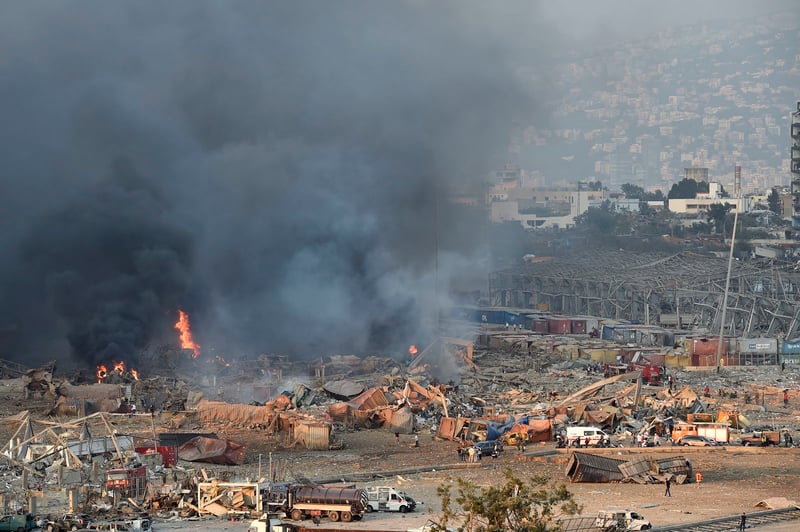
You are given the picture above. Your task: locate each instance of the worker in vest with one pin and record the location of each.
(698, 477)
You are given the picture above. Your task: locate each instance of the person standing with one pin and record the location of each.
(743, 521)
(416, 440)
(397, 438)
(698, 477)
(667, 485)
(785, 397)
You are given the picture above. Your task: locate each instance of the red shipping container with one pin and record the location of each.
(558, 326)
(540, 326)
(707, 347)
(578, 326)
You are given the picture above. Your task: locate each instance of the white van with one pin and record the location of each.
(388, 499)
(618, 520)
(594, 434)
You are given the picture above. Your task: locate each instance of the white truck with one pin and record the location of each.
(388, 499)
(621, 520)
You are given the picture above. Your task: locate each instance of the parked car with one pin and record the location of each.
(696, 441)
(487, 447)
(67, 522)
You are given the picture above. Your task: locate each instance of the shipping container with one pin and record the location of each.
(704, 360)
(578, 326)
(706, 346)
(790, 358)
(766, 346)
(677, 361)
(791, 347)
(608, 332)
(558, 326)
(494, 316)
(540, 326)
(513, 318)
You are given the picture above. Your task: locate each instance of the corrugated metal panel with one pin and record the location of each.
(584, 467)
(314, 436)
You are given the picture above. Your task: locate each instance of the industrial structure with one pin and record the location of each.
(684, 289)
(795, 167)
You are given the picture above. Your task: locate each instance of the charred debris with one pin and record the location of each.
(160, 444)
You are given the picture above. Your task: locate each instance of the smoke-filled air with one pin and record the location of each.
(279, 171)
(276, 170)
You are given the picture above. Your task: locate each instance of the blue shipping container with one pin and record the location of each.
(791, 347)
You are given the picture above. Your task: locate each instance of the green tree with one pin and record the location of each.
(633, 191)
(516, 505)
(716, 215)
(598, 220)
(774, 201)
(687, 189)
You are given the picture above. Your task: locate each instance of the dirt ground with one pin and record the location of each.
(736, 478)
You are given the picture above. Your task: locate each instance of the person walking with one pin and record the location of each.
(416, 440)
(667, 484)
(397, 438)
(743, 521)
(698, 477)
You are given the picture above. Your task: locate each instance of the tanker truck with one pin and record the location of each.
(300, 501)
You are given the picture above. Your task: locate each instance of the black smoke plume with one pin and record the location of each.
(280, 170)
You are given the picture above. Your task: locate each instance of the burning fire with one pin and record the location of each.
(102, 372)
(187, 342)
(222, 361)
(412, 350)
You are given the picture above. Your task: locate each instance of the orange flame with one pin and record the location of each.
(412, 350)
(135, 374)
(101, 372)
(187, 342)
(119, 367)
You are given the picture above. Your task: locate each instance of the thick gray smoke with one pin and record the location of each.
(273, 168)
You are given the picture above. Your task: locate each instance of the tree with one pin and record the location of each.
(687, 189)
(716, 215)
(516, 505)
(774, 201)
(633, 191)
(598, 220)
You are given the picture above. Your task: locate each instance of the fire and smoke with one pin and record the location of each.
(185, 330)
(288, 190)
(118, 369)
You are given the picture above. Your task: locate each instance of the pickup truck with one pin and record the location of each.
(763, 438)
(17, 522)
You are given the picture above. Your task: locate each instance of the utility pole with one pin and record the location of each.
(727, 283)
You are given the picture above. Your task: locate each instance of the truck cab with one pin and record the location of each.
(621, 520)
(388, 499)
